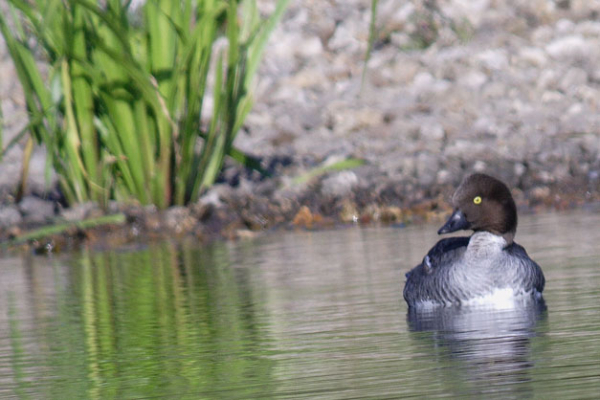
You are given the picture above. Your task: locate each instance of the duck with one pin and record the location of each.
(486, 268)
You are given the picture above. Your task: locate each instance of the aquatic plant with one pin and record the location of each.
(119, 104)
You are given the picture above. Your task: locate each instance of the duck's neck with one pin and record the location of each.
(484, 245)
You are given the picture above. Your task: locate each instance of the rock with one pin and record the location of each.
(37, 181)
(473, 10)
(246, 234)
(390, 214)
(589, 29)
(344, 39)
(78, 212)
(308, 47)
(431, 131)
(473, 79)
(305, 218)
(533, 56)
(479, 166)
(584, 8)
(495, 59)
(573, 78)
(541, 35)
(9, 217)
(353, 120)
(305, 79)
(548, 79)
(465, 149)
(401, 40)
(432, 136)
(539, 192)
(519, 169)
(427, 167)
(575, 110)
(443, 177)
(570, 48)
(564, 27)
(392, 17)
(179, 220)
(485, 126)
(214, 195)
(395, 73)
(349, 212)
(591, 144)
(339, 184)
(551, 96)
(423, 81)
(561, 172)
(35, 210)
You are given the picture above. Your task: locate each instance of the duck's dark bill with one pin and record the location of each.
(456, 222)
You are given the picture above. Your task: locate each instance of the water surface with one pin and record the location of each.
(295, 315)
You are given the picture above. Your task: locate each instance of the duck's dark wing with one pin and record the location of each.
(427, 280)
(439, 253)
(533, 274)
(444, 249)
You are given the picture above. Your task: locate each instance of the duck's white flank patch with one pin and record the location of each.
(499, 299)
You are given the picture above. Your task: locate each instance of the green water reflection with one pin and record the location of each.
(156, 322)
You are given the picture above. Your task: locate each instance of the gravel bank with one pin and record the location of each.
(507, 88)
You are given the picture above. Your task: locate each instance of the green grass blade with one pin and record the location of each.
(260, 40)
(118, 164)
(84, 109)
(372, 34)
(2, 149)
(248, 161)
(37, 234)
(72, 144)
(338, 166)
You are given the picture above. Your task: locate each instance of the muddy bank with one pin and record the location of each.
(512, 90)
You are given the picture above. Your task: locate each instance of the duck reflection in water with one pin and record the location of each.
(492, 347)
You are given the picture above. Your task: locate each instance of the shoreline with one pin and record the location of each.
(227, 213)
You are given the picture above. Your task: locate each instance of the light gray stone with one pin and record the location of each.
(427, 168)
(479, 166)
(309, 47)
(9, 216)
(519, 169)
(573, 78)
(533, 56)
(339, 184)
(494, 59)
(179, 219)
(473, 79)
(78, 212)
(564, 26)
(35, 210)
(570, 48)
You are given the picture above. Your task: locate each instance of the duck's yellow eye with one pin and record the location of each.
(477, 200)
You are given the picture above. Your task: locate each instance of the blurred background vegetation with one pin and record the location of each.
(120, 106)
